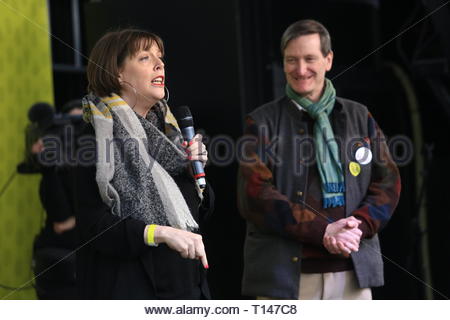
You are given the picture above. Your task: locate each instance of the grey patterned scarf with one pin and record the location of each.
(134, 163)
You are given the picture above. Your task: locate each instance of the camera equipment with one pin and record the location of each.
(58, 132)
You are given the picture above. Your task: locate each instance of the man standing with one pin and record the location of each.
(316, 184)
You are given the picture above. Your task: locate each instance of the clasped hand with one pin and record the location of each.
(343, 236)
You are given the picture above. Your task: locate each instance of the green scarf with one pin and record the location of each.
(327, 150)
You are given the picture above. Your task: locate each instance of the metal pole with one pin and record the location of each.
(76, 32)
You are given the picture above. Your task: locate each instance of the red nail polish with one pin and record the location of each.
(207, 267)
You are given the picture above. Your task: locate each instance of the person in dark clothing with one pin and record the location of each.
(56, 241)
(137, 205)
(317, 184)
(54, 265)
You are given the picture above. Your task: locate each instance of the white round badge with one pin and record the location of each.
(363, 155)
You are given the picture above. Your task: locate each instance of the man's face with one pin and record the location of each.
(305, 66)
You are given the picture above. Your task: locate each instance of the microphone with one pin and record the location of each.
(186, 123)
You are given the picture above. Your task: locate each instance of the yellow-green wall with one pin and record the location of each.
(25, 78)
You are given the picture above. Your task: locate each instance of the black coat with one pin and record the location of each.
(114, 262)
(55, 190)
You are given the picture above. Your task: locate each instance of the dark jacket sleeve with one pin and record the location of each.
(261, 203)
(383, 192)
(108, 233)
(201, 210)
(97, 226)
(54, 197)
(207, 206)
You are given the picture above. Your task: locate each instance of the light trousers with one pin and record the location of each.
(330, 286)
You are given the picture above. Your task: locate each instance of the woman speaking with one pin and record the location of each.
(138, 206)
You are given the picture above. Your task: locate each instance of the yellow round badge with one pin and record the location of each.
(355, 168)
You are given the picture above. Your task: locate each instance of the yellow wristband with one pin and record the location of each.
(151, 235)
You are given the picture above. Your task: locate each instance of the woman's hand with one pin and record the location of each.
(188, 244)
(196, 150)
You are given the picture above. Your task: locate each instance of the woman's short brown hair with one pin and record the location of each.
(109, 53)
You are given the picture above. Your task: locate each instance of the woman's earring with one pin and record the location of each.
(167, 95)
(134, 90)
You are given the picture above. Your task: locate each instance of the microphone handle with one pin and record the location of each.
(197, 166)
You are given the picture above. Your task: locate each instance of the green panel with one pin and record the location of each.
(25, 78)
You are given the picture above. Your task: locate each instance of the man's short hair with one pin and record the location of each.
(109, 53)
(303, 28)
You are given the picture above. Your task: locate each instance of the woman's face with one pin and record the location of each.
(145, 72)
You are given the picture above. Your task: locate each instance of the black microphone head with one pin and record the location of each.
(184, 117)
(40, 112)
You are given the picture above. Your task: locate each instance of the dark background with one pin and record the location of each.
(223, 60)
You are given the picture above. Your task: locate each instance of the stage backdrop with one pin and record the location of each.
(25, 78)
